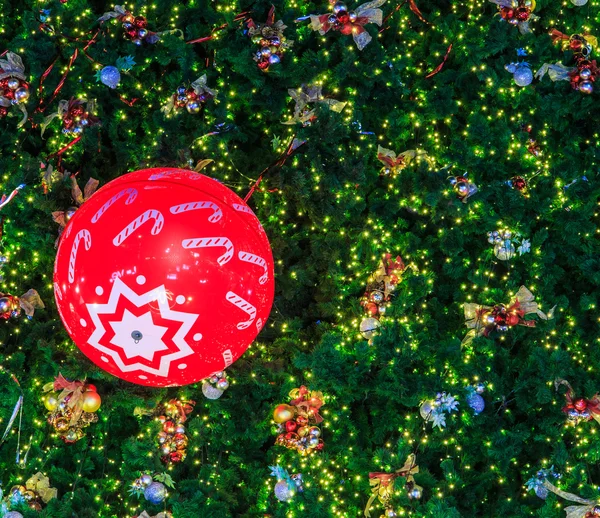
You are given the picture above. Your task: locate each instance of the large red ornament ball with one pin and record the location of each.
(163, 277)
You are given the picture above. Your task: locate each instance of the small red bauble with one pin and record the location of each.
(263, 65)
(580, 405)
(512, 319)
(140, 22)
(163, 277)
(291, 426)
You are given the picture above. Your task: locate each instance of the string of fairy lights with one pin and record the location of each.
(323, 473)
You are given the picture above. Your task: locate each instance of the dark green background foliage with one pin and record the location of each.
(329, 216)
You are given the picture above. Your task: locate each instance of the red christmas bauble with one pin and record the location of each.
(580, 405)
(163, 277)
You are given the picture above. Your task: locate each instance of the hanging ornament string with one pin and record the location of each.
(441, 65)
(294, 144)
(242, 17)
(18, 409)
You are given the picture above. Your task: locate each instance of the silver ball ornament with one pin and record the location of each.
(415, 493)
(579, 3)
(180, 429)
(155, 493)
(382, 310)
(265, 52)
(377, 297)
(21, 94)
(223, 384)
(145, 479)
(426, 410)
(504, 251)
(210, 391)
(69, 213)
(352, 16)
(390, 513)
(332, 19)
(142, 33)
(193, 106)
(136, 41)
(13, 83)
(219, 374)
(110, 76)
(339, 7)
(166, 450)
(586, 73)
(586, 87)
(283, 492)
(5, 304)
(480, 388)
(523, 75)
(369, 327)
(13, 514)
(274, 59)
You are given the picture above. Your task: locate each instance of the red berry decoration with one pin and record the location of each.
(163, 277)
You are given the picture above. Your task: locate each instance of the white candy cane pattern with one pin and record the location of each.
(58, 291)
(227, 358)
(259, 324)
(131, 196)
(257, 260)
(245, 306)
(197, 205)
(207, 242)
(242, 208)
(84, 235)
(158, 218)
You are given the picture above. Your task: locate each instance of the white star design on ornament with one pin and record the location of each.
(144, 325)
(151, 335)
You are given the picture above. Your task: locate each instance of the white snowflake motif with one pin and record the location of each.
(138, 336)
(445, 404)
(524, 247)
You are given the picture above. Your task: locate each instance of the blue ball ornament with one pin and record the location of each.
(155, 493)
(110, 76)
(476, 402)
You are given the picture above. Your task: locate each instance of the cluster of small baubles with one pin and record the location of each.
(271, 50)
(190, 100)
(15, 90)
(518, 12)
(61, 413)
(500, 318)
(154, 492)
(341, 19)
(504, 249)
(462, 186)
(9, 307)
(579, 412)
(296, 432)
(29, 497)
(135, 28)
(172, 438)
(583, 79)
(214, 386)
(75, 120)
(376, 303)
(593, 513)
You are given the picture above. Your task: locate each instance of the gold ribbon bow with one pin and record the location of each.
(382, 484)
(573, 511)
(310, 94)
(68, 388)
(395, 163)
(41, 485)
